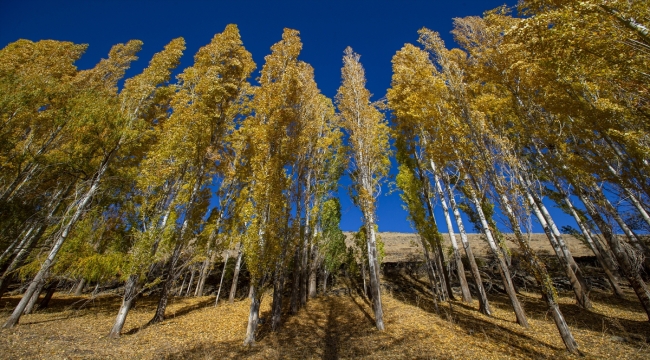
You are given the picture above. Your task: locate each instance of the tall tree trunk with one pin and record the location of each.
(9, 274)
(77, 208)
(167, 284)
(323, 282)
(38, 227)
(235, 275)
(467, 296)
(576, 285)
(171, 270)
(429, 267)
(439, 257)
(180, 291)
(14, 248)
(627, 267)
(605, 263)
(133, 283)
(635, 166)
(189, 285)
(279, 278)
(223, 274)
(373, 269)
(205, 271)
(31, 238)
(295, 286)
(430, 273)
(542, 277)
(631, 197)
(562, 244)
(503, 267)
(484, 305)
(312, 284)
(304, 268)
(48, 295)
(80, 287)
(605, 258)
(297, 256)
(631, 236)
(445, 285)
(637, 204)
(565, 332)
(364, 277)
(564, 249)
(253, 315)
(32, 301)
(130, 293)
(278, 290)
(313, 271)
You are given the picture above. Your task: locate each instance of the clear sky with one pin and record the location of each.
(375, 29)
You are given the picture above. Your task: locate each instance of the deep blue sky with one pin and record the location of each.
(374, 29)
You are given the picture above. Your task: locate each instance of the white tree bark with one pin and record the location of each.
(78, 207)
(467, 296)
(223, 273)
(503, 267)
(483, 300)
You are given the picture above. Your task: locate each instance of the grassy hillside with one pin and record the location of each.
(402, 247)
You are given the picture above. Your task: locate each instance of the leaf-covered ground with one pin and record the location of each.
(339, 325)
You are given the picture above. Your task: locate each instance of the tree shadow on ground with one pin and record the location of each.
(582, 319)
(106, 303)
(328, 327)
(362, 309)
(152, 303)
(216, 350)
(341, 325)
(187, 309)
(44, 321)
(412, 294)
(332, 336)
(629, 301)
(535, 307)
(592, 320)
(331, 328)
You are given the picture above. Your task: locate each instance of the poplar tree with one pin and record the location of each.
(578, 123)
(368, 136)
(118, 127)
(269, 149)
(415, 79)
(204, 113)
(48, 101)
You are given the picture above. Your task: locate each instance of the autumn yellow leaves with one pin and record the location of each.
(143, 183)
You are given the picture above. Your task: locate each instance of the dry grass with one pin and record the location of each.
(329, 327)
(401, 247)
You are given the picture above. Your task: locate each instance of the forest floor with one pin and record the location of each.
(337, 325)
